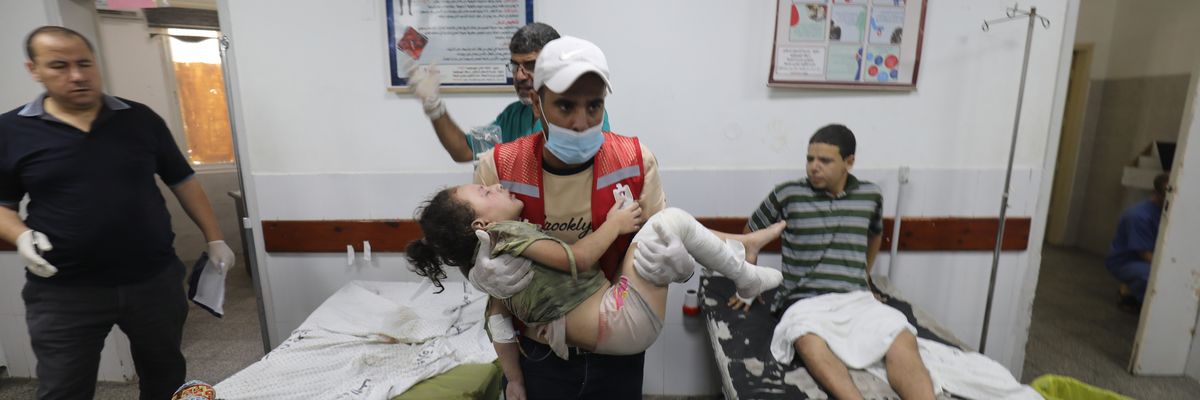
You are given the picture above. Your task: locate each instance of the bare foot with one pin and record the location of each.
(756, 240)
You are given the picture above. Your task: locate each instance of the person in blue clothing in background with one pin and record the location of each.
(1133, 245)
(516, 121)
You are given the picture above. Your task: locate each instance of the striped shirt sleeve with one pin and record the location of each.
(876, 227)
(768, 212)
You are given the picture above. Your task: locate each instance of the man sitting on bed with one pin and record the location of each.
(834, 230)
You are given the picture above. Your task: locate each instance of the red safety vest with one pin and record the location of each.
(519, 168)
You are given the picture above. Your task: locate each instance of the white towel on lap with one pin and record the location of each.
(858, 328)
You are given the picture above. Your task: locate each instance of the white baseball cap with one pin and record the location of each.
(562, 61)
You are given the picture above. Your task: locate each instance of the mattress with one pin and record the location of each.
(741, 343)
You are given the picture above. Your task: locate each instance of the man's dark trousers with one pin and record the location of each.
(68, 325)
(585, 375)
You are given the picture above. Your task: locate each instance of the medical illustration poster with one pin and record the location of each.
(467, 40)
(802, 61)
(808, 21)
(847, 44)
(882, 64)
(887, 25)
(845, 63)
(847, 23)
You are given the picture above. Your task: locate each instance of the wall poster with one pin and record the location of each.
(847, 44)
(466, 39)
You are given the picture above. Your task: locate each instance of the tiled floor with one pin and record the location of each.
(1078, 331)
(214, 348)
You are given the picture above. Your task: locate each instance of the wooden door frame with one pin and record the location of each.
(1066, 171)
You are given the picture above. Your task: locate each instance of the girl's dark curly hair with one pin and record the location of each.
(449, 238)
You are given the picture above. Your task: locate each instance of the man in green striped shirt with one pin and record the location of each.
(834, 230)
(833, 234)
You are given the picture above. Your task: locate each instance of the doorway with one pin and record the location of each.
(1066, 172)
(1124, 98)
(170, 60)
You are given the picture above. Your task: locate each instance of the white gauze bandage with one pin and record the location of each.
(500, 329)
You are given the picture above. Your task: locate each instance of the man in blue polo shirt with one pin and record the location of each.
(516, 121)
(1133, 245)
(97, 240)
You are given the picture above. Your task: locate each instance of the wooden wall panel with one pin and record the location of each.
(333, 236)
(917, 234)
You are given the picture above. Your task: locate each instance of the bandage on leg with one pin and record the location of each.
(726, 257)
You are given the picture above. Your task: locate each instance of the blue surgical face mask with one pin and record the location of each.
(570, 146)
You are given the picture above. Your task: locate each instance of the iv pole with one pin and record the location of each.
(1013, 13)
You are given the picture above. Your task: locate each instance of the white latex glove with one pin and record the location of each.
(30, 245)
(221, 255)
(424, 83)
(501, 277)
(666, 252)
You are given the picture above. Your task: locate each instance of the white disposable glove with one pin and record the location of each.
(221, 255)
(424, 83)
(666, 253)
(501, 277)
(30, 245)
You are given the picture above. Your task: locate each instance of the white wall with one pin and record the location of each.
(322, 139)
(1139, 38)
(16, 20)
(1150, 38)
(389, 134)
(1096, 19)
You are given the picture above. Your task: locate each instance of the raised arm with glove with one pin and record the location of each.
(424, 83)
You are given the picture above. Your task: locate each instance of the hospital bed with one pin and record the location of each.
(467, 382)
(380, 341)
(748, 371)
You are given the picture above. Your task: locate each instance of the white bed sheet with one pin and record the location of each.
(370, 341)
